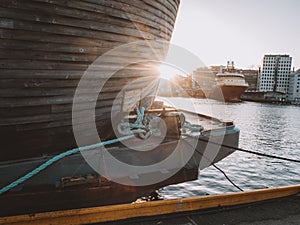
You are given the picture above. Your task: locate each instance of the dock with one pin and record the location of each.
(266, 206)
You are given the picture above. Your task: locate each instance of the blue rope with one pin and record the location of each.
(137, 124)
(59, 157)
(141, 125)
(193, 127)
(141, 129)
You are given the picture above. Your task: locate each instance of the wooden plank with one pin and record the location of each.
(25, 111)
(63, 93)
(11, 93)
(116, 9)
(55, 65)
(62, 57)
(48, 55)
(104, 114)
(36, 64)
(42, 130)
(37, 146)
(68, 40)
(10, 112)
(126, 211)
(47, 83)
(174, 3)
(35, 143)
(43, 37)
(18, 102)
(169, 9)
(42, 64)
(55, 116)
(42, 86)
(50, 47)
(40, 101)
(37, 17)
(136, 5)
(25, 11)
(72, 31)
(129, 72)
(137, 50)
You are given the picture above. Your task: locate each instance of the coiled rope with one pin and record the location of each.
(144, 126)
(193, 127)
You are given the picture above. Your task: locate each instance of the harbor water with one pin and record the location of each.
(267, 128)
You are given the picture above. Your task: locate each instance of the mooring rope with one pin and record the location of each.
(226, 176)
(142, 129)
(240, 149)
(252, 152)
(57, 158)
(243, 150)
(216, 167)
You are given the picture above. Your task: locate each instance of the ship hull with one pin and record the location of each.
(72, 183)
(47, 47)
(228, 93)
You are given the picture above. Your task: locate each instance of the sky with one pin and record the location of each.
(239, 30)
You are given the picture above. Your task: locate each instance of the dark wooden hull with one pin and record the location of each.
(46, 46)
(54, 189)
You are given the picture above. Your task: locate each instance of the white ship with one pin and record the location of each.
(229, 85)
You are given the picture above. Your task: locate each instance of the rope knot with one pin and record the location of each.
(144, 126)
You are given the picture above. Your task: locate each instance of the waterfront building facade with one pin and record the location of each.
(251, 76)
(294, 87)
(275, 73)
(203, 78)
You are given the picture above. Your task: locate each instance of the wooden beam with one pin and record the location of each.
(126, 211)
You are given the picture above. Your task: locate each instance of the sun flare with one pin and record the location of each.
(168, 71)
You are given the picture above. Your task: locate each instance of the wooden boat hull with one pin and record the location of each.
(47, 46)
(72, 183)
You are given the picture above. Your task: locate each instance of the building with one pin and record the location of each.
(275, 73)
(203, 78)
(182, 82)
(294, 87)
(251, 76)
(177, 86)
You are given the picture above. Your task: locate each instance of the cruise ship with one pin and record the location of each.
(229, 85)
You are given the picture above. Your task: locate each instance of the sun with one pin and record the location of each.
(168, 71)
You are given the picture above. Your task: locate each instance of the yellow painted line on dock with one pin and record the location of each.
(126, 211)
